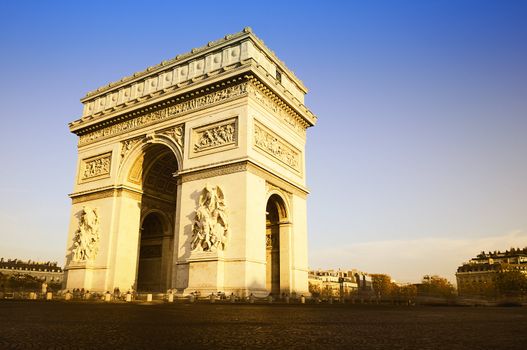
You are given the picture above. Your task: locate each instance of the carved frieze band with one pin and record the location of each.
(95, 168)
(217, 171)
(263, 95)
(105, 193)
(166, 113)
(214, 137)
(276, 147)
(251, 87)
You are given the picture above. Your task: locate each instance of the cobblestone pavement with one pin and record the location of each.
(84, 325)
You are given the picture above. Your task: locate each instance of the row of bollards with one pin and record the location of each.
(171, 297)
(128, 297)
(251, 299)
(46, 296)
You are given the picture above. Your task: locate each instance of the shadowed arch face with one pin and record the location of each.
(276, 215)
(154, 173)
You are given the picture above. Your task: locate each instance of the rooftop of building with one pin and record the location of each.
(513, 252)
(18, 264)
(496, 261)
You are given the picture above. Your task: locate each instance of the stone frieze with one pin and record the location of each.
(96, 167)
(276, 147)
(214, 136)
(290, 118)
(166, 113)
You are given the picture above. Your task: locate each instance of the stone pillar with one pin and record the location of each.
(285, 258)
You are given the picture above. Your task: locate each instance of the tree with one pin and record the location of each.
(436, 286)
(511, 283)
(314, 289)
(408, 292)
(382, 284)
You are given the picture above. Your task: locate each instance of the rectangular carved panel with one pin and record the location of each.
(214, 137)
(96, 167)
(276, 147)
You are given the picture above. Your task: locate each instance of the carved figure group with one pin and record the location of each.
(273, 146)
(86, 239)
(217, 136)
(96, 167)
(178, 135)
(210, 226)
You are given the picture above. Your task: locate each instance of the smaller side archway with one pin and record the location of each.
(277, 245)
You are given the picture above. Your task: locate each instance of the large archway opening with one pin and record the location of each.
(276, 216)
(158, 209)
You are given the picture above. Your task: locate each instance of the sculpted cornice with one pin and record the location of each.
(187, 175)
(166, 64)
(105, 192)
(180, 106)
(272, 102)
(210, 60)
(194, 101)
(239, 165)
(217, 169)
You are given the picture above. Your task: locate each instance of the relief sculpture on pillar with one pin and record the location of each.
(86, 239)
(210, 226)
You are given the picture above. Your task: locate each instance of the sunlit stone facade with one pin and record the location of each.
(191, 176)
(477, 276)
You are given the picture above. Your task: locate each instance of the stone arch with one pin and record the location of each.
(280, 200)
(165, 221)
(150, 168)
(138, 147)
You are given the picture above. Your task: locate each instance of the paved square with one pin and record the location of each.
(43, 325)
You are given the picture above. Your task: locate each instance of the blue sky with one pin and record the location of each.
(418, 160)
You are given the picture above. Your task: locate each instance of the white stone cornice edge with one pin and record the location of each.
(194, 54)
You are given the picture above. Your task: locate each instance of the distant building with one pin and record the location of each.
(45, 271)
(330, 282)
(477, 276)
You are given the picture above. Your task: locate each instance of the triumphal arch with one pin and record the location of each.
(191, 177)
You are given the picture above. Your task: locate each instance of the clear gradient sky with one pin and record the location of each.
(419, 157)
